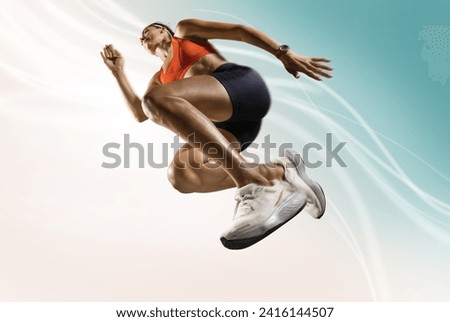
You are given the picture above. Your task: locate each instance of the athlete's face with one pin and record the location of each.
(152, 37)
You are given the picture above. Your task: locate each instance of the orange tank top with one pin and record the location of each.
(185, 54)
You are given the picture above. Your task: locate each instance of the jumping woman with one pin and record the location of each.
(217, 107)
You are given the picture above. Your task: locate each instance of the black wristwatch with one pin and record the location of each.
(282, 50)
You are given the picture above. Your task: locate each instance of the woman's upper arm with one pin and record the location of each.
(201, 29)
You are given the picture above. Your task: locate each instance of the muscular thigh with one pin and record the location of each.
(188, 157)
(205, 92)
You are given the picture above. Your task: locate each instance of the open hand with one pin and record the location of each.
(312, 66)
(112, 58)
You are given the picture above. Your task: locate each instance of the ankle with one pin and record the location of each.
(258, 180)
(253, 176)
(272, 171)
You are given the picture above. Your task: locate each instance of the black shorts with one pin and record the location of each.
(250, 99)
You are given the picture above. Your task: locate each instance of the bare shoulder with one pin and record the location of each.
(203, 29)
(154, 81)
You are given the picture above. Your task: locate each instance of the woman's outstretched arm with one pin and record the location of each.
(294, 63)
(114, 60)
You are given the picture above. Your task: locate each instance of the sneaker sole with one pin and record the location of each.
(285, 212)
(316, 202)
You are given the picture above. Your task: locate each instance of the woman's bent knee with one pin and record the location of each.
(182, 179)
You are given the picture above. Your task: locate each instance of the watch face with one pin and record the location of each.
(284, 47)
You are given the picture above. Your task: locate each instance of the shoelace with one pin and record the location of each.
(244, 204)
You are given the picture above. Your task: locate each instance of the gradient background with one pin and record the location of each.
(71, 230)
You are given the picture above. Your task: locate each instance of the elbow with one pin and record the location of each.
(184, 23)
(183, 27)
(242, 31)
(140, 118)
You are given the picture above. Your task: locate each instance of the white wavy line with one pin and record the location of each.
(220, 13)
(418, 158)
(396, 198)
(361, 210)
(118, 12)
(374, 157)
(438, 234)
(380, 145)
(99, 16)
(354, 246)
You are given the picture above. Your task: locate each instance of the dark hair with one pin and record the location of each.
(158, 25)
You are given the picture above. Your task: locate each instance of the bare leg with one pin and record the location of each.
(190, 171)
(187, 107)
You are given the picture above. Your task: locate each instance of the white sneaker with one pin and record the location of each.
(260, 210)
(295, 174)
